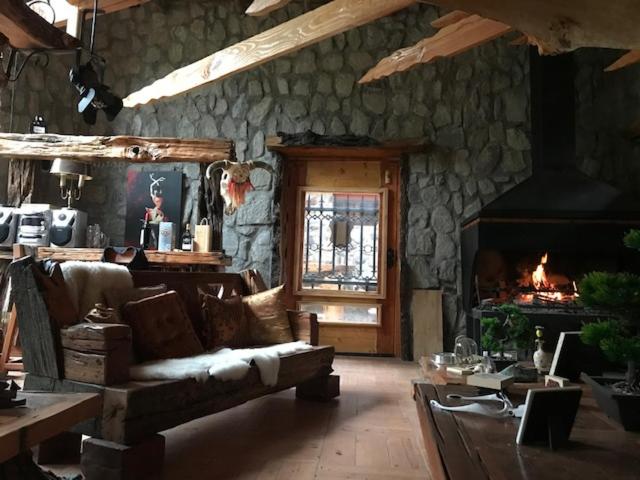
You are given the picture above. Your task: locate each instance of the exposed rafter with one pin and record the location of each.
(449, 19)
(120, 149)
(450, 40)
(264, 7)
(312, 27)
(563, 25)
(625, 60)
(25, 29)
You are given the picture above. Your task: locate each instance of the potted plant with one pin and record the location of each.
(617, 337)
(512, 329)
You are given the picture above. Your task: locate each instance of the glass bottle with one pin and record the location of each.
(145, 233)
(187, 239)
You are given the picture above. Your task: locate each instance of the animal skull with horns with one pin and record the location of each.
(235, 181)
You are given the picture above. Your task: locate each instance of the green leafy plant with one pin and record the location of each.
(632, 239)
(618, 338)
(618, 345)
(515, 330)
(618, 291)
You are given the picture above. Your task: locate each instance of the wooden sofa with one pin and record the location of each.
(133, 412)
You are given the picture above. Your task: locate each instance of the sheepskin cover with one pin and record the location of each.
(224, 364)
(86, 282)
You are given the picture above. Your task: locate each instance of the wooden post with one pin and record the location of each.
(10, 339)
(320, 388)
(111, 461)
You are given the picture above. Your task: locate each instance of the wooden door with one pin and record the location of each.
(340, 247)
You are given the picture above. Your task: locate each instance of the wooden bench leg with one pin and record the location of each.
(103, 460)
(320, 388)
(63, 449)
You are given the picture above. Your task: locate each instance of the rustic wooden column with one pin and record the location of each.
(21, 181)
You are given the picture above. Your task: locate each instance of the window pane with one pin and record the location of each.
(362, 314)
(341, 242)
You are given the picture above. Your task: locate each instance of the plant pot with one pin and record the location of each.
(623, 408)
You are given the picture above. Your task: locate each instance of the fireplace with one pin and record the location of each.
(535, 242)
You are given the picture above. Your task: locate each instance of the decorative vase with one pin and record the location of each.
(541, 359)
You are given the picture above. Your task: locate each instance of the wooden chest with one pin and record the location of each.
(97, 353)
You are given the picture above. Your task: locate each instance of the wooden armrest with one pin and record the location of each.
(304, 326)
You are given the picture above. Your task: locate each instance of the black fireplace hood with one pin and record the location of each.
(557, 189)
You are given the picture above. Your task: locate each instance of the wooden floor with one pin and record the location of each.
(370, 432)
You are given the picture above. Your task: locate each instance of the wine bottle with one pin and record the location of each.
(145, 233)
(187, 239)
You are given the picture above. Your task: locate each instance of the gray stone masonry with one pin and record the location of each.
(474, 109)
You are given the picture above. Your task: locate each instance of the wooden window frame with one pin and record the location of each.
(382, 251)
(377, 306)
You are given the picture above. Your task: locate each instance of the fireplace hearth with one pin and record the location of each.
(533, 244)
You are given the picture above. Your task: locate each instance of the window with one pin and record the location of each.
(342, 245)
(344, 313)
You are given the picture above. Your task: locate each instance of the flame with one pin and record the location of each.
(539, 276)
(544, 289)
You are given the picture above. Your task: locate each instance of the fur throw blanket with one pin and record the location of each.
(224, 364)
(86, 282)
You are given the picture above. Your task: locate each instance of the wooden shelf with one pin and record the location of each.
(384, 150)
(155, 258)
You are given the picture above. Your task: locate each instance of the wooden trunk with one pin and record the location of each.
(97, 353)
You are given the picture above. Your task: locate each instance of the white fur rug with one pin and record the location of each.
(87, 280)
(224, 364)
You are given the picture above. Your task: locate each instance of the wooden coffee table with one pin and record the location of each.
(462, 446)
(44, 416)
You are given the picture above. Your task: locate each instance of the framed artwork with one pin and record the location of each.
(156, 196)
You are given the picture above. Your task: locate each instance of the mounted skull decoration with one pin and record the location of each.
(235, 181)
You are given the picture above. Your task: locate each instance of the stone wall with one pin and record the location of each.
(474, 109)
(607, 104)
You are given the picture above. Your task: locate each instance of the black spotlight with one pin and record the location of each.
(94, 95)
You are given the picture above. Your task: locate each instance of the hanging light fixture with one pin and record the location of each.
(72, 178)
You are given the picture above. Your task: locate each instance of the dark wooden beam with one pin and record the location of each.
(25, 29)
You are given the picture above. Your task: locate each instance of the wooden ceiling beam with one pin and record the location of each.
(449, 19)
(312, 27)
(65, 9)
(625, 60)
(450, 40)
(25, 29)
(563, 25)
(259, 8)
(119, 149)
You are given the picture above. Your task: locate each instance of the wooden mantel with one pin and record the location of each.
(386, 149)
(120, 149)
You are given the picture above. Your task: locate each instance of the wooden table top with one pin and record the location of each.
(468, 446)
(44, 416)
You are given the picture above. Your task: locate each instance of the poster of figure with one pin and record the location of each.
(156, 196)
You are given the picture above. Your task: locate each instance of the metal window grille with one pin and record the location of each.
(341, 235)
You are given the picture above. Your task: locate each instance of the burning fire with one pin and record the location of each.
(546, 290)
(539, 276)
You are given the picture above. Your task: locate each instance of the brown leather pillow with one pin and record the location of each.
(161, 328)
(267, 316)
(56, 295)
(226, 324)
(118, 297)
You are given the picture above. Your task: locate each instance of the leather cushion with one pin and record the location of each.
(161, 328)
(55, 294)
(266, 313)
(116, 298)
(225, 322)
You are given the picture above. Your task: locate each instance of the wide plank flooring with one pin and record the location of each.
(371, 432)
